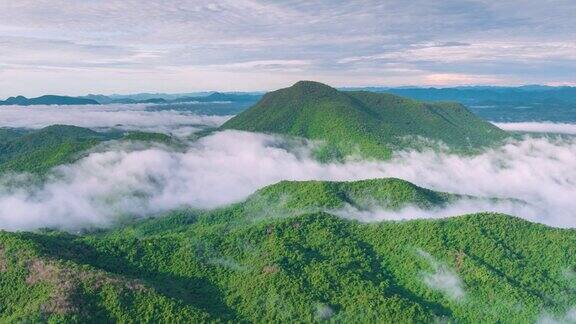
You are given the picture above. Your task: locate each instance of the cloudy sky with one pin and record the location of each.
(77, 47)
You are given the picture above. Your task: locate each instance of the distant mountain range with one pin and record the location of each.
(174, 99)
(372, 124)
(104, 100)
(485, 95)
(502, 104)
(221, 97)
(474, 95)
(47, 100)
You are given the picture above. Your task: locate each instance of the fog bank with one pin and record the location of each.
(228, 166)
(540, 127)
(127, 117)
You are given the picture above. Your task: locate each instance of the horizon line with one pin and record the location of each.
(268, 90)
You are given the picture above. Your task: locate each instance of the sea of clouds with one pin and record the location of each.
(539, 127)
(121, 116)
(228, 166)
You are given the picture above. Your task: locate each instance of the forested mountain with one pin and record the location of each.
(371, 123)
(244, 264)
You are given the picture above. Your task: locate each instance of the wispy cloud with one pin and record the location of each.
(476, 53)
(270, 65)
(548, 318)
(442, 278)
(344, 43)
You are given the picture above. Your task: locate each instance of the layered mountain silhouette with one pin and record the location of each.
(47, 100)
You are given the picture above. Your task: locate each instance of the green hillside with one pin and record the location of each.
(235, 265)
(307, 196)
(372, 124)
(37, 151)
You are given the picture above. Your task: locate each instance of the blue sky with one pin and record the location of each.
(77, 47)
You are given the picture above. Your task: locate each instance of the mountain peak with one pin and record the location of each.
(372, 123)
(312, 87)
(309, 83)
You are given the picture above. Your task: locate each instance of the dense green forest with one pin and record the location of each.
(244, 263)
(365, 123)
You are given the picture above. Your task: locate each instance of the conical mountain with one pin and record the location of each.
(372, 124)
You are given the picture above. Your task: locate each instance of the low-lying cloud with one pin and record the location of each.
(228, 166)
(442, 278)
(568, 317)
(127, 117)
(539, 127)
(460, 207)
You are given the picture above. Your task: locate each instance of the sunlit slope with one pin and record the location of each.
(237, 264)
(371, 124)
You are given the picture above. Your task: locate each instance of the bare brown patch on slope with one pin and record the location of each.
(68, 284)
